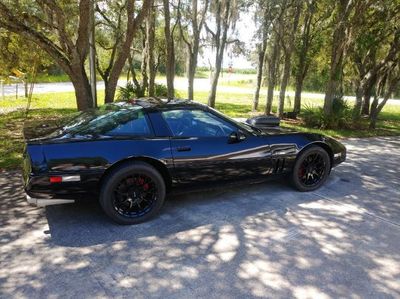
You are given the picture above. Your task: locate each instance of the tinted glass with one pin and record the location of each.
(112, 120)
(196, 123)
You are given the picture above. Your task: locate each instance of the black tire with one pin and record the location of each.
(123, 194)
(308, 177)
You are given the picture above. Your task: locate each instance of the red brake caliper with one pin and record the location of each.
(145, 186)
(301, 171)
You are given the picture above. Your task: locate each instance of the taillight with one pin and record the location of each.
(65, 178)
(56, 179)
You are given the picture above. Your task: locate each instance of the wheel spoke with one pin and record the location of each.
(135, 195)
(312, 169)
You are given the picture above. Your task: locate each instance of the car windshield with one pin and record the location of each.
(110, 119)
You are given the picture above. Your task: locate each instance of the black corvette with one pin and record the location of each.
(131, 154)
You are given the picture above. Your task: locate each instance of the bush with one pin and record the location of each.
(130, 92)
(340, 118)
(160, 90)
(245, 82)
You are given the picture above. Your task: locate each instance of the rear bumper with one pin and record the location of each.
(73, 186)
(40, 202)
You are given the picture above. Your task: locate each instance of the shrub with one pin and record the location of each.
(312, 116)
(160, 90)
(340, 118)
(244, 82)
(128, 92)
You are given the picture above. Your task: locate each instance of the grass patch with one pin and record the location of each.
(46, 78)
(54, 105)
(11, 137)
(383, 129)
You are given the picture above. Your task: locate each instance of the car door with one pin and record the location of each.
(204, 151)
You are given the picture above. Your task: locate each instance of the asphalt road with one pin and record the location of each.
(342, 241)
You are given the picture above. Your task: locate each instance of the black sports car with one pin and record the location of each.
(131, 154)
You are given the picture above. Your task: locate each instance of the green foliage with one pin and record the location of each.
(17, 53)
(201, 74)
(161, 90)
(341, 118)
(48, 78)
(11, 138)
(130, 91)
(127, 93)
(239, 83)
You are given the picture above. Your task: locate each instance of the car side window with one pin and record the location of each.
(196, 123)
(131, 124)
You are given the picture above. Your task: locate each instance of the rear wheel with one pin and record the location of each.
(132, 193)
(311, 169)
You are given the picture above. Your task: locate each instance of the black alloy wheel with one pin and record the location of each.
(311, 169)
(132, 193)
(135, 195)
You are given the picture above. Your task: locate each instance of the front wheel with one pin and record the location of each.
(132, 193)
(311, 169)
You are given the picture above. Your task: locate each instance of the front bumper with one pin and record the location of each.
(339, 158)
(40, 202)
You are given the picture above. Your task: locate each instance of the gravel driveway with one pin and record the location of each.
(267, 240)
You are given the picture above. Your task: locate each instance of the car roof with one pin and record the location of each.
(155, 103)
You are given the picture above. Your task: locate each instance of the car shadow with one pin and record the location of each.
(85, 224)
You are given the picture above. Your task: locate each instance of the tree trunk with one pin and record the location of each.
(143, 66)
(124, 50)
(260, 66)
(214, 82)
(220, 48)
(303, 60)
(391, 82)
(359, 100)
(190, 34)
(82, 88)
(373, 117)
(338, 51)
(297, 94)
(285, 80)
(272, 69)
(334, 82)
(150, 28)
(374, 112)
(288, 60)
(191, 74)
(109, 93)
(170, 51)
(367, 96)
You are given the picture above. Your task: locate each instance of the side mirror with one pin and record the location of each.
(235, 137)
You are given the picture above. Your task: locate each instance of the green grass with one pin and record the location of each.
(46, 78)
(11, 125)
(54, 105)
(53, 100)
